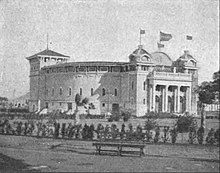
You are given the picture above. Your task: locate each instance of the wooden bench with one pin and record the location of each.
(119, 146)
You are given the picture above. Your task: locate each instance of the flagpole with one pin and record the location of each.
(140, 36)
(47, 41)
(159, 42)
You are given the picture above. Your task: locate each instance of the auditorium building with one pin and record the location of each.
(146, 82)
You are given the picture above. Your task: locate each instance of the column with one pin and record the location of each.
(163, 98)
(153, 98)
(190, 99)
(150, 98)
(187, 99)
(178, 98)
(166, 98)
(175, 99)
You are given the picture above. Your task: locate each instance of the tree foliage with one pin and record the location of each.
(184, 123)
(85, 101)
(77, 99)
(206, 94)
(3, 99)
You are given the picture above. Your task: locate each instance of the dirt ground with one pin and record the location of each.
(27, 154)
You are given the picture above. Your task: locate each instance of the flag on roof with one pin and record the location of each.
(188, 37)
(165, 37)
(142, 31)
(159, 45)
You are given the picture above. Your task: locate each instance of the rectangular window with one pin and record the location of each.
(60, 103)
(82, 69)
(92, 68)
(61, 69)
(132, 68)
(103, 104)
(103, 68)
(144, 68)
(80, 91)
(54, 70)
(70, 69)
(69, 106)
(144, 101)
(115, 69)
(46, 105)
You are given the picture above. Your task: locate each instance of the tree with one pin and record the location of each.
(215, 83)
(77, 101)
(85, 101)
(207, 92)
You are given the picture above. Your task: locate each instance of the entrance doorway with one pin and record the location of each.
(115, 108)
(69, 106)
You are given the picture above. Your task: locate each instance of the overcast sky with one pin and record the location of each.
(103, 30)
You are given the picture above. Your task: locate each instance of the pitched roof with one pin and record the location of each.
(47, 52)
(88, 63)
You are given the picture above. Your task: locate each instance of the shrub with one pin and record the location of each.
(192, 132)
(183, 123)
(217, 135)
(126, 115)
(210, 139)
(173, 133)
(165, 134)
(160, 115)
(200, 134)
(149, 125)
(157, 134)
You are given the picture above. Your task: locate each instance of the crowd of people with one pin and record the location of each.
(89, 132)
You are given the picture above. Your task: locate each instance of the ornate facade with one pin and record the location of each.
(147, 82)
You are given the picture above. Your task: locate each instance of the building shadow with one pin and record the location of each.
(9, 164)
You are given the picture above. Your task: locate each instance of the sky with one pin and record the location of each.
(103, 30)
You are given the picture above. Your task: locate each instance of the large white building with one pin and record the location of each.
(147, 82)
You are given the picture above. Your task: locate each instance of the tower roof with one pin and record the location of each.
(47, 52)
(186, 56)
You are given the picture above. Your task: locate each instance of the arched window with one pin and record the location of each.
(144, 85)
(80, 91)
(103, 91)
(70, 91)
(144, 101)
(52, 91)
(46, 105)
(116, 92)
(61, 91)
(132, 85)
(47, 92)
(92, 92)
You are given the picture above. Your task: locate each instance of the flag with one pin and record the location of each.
(160, 45)
(188, 37)
(165, 37)
(142, 31)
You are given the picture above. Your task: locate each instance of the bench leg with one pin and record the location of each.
(141, 152)
(99, 149)
(119, 150)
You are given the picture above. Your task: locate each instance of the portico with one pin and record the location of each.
(169, 95)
